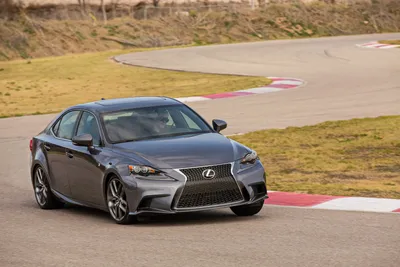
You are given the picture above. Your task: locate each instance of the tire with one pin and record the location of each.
(116, 202)
(248, 210)
(43, 194)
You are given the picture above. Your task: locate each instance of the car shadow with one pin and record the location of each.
(223, 216)
(150, 220)
(71, 209)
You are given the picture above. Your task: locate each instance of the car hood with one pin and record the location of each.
(183, 151)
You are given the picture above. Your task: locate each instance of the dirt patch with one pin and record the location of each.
(46, 32)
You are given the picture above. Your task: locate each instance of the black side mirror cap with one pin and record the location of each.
(83, 140)
(219, 125)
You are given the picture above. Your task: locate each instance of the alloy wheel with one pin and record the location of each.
(116, 200)
(41, 188)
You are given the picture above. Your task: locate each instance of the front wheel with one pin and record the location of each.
(117, 203)
(248, 210)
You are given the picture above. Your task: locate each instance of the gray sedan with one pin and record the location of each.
(131, 156)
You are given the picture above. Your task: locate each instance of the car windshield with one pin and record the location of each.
(152, 122)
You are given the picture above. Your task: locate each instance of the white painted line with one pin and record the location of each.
(360, 204)
(367, 44)
(389, 46)
(192, 99)
(261, 90)
(286, 82)
(375, 45)
(282, 78)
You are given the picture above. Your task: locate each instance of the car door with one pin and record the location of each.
(85, 174)
(54, 148)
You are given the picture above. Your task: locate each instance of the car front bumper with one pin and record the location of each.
(162, 196)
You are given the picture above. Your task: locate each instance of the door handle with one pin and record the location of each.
(69, 155)
(46, 147)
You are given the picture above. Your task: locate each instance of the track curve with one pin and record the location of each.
(343, 82)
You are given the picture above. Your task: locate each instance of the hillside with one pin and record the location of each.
(35, 33)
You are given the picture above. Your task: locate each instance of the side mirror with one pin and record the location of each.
(83, 140)
(219, 125)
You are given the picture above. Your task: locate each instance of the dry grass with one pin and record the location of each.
(391, 42)
(50, 84)
(94, 2)
(26, 37)
(359, 157)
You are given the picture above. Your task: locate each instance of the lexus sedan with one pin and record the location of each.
(152, 155)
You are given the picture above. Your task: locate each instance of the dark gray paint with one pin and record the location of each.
(184, 151)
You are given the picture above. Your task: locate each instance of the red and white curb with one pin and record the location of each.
(277, 84)
(377, 45)
(333, 202)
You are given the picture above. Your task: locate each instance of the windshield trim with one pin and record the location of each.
(102, 114)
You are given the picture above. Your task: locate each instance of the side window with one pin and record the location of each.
(65, 129)
(88, 125)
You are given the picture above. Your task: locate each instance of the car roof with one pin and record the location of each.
(110, 105)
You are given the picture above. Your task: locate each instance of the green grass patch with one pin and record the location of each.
(359, 157)
(51, 84)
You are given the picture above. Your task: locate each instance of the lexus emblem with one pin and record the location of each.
(208, 174)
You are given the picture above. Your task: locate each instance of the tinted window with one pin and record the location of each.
(66, 128)
(88, 125)
(152, 122)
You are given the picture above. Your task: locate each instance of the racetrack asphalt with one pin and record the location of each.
(343, 81)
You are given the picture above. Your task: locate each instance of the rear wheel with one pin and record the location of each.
(44, 197)
(117, 203)
(248, 210)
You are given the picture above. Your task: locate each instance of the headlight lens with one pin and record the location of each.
(143, 170)
(250, 158)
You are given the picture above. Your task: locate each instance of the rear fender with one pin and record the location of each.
(39, 159)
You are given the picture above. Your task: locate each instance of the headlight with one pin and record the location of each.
(142, 170)
(149, 173)
(250, 158)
